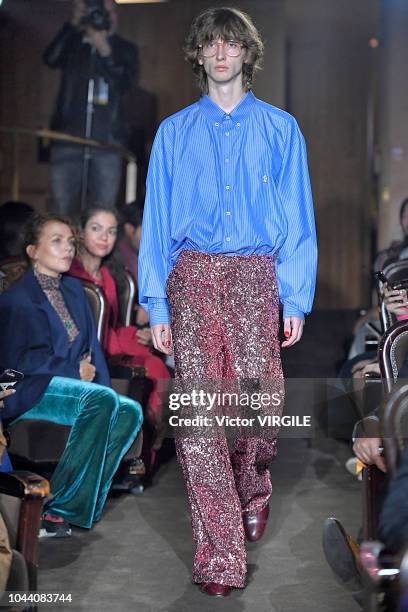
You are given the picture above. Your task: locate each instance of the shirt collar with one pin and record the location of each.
(46, 282)
(216, 114)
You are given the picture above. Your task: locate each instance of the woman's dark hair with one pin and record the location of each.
(402, 208)
(112, 261)
(36, 224)
(228, 24)
(132, 213)
(13, 218)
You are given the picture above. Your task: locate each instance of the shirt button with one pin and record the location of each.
(227, 187)
(238, 125)
(227, 133)
(217, 124)
(228, 212)
(227, 238)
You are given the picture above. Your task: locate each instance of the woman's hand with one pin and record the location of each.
(293, 330)
(87, 370)
(368, 451)
(4, 394)
(145, 336)
(395, 300)
(161, 335)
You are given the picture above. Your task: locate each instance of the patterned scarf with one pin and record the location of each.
(51, 287)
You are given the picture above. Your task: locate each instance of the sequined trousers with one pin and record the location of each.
(225, 319)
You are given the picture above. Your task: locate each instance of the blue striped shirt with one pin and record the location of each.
(233, 184)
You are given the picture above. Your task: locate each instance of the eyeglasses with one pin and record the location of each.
(232, 48)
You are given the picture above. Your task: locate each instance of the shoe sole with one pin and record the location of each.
(44, 534)
(338, 552)
(214, 594)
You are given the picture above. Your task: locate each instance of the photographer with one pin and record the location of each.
(88, 51)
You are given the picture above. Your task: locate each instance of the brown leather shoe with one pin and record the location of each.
(216, 590)
(254, 524)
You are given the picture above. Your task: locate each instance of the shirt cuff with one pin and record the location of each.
(158, 311)
(291, 311)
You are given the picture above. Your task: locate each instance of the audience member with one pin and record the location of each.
(48, 333)
(99, 234)
(13, 217)
(88, 49)
(129, 251)
(399, 248)
(131, 218)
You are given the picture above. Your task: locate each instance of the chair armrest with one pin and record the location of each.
(23, 522)
(368, 427)
(121, 367)
(21, 483)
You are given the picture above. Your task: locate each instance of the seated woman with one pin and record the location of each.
(99, 235)
(48, 333)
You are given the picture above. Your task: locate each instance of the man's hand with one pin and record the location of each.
(161, 335)
(98, 39)
(368, 451)
(293, 330)
(87, 370)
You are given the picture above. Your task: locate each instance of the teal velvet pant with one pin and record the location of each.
(104, 425)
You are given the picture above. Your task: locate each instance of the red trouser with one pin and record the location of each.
(224, 312)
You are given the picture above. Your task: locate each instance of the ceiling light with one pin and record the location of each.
(139, 1)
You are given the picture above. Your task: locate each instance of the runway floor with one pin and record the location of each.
(139, 556)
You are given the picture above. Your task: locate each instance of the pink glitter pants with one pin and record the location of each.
(224, 312)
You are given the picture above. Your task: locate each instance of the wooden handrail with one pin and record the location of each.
(16, 132)
(61, 136)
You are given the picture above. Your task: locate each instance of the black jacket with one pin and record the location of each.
(74, 57)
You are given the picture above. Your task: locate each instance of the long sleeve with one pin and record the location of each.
(56, 52)
(120, 65)
(155, 247)
(28, 350)
(297, 260)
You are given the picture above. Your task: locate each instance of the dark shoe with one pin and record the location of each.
(254, 524)
(216, 590)
(130, 478)
(54, 527)
(340, 550)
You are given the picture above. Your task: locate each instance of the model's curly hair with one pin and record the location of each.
(228, 24)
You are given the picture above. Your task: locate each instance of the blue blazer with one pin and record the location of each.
(34, 340)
